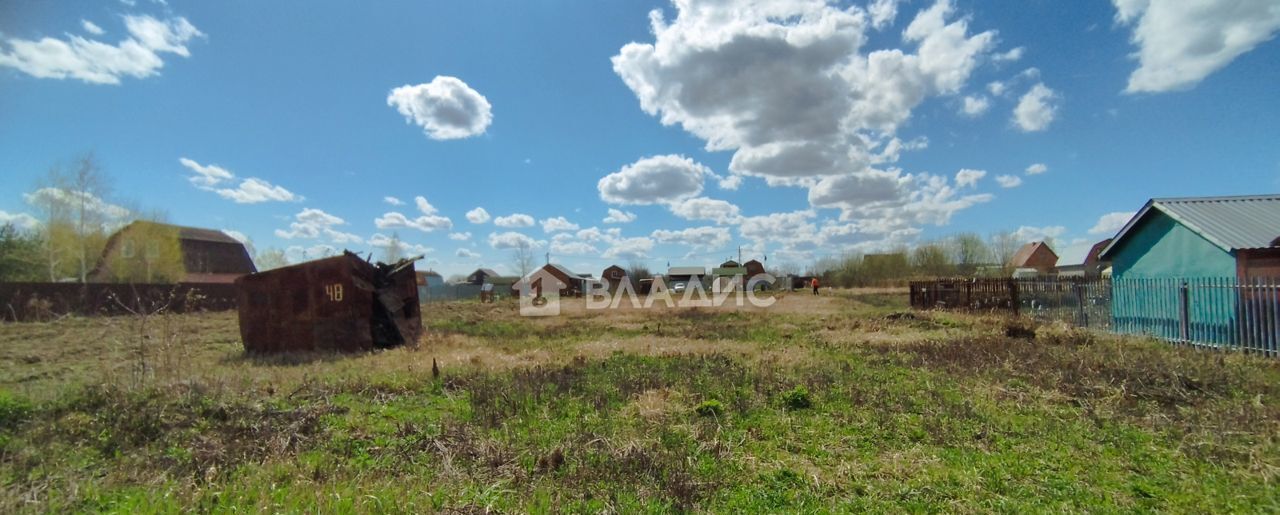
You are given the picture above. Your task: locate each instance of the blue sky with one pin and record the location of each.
(796, 129)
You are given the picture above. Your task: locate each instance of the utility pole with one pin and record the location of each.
(548, 258)
(739, 254)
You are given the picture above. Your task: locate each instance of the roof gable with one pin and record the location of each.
(1030, 251)
(1230, 223)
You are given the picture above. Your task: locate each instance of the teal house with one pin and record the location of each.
(1187, 268)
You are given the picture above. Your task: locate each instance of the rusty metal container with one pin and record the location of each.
(342, 303)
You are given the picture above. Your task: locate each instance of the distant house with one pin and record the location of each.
(1092, 266)
(1093, 262)
(1034, 256)
(478, 276)
(574, 284)
(154, 252)
(505, 285)
(430, 278)
(427, 280)
(754, 268)
(613, 276)
(1232, 237)
(684, 275)
(729, 276)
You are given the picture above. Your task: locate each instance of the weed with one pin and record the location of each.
(797, 398)
(709, 408)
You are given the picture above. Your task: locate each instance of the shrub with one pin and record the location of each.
(13, 410)
(709, 408)
(797, 398)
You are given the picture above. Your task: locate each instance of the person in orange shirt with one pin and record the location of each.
(815, 285)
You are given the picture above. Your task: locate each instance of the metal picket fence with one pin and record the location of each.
(1210, 311)
(1220, 312)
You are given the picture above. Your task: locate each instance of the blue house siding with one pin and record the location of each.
(1149, 269)
(1162, 247)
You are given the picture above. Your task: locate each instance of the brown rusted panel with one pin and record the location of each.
(341, 303)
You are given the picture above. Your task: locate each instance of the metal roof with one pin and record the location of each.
(687, 270)
(1231, 223)
(566, 271)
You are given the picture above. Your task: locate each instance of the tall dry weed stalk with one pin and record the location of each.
(155, 340)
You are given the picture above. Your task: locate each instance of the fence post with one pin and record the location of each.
(1083, 319)
(1013, 296)
(1184, 320)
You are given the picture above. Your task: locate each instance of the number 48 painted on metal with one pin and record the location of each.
(334, 291)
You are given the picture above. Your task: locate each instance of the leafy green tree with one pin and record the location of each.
(19, 255)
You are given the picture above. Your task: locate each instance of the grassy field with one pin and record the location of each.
(846, 402)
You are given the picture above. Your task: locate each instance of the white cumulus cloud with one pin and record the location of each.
(1037, 169)
(1180, 42)
(514, 221)
(424, 223)
(967, 178)
(697, 238)
(790, 89)
(702, 208)
(251, 190)
(313, 223)
(1009, 181)
(95, 62)
(22, 221)
(1111, 223)
(1036, 109)
(92, 28)
(975, 105)
(1028, 234)
(428, 221)
(512, 240)
(882, 12)
(446, 108)
(393, 201)
(618, 216)
(460, 236)
(558, 223)
(654, 179)
(478, 215)
(1008, 57)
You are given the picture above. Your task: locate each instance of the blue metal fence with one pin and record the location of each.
(1212, 311)
(1220, 312)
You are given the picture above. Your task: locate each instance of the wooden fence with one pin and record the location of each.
(44, 301)
(1206, 311)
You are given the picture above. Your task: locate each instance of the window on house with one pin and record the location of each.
(153, 249)
(126, 249)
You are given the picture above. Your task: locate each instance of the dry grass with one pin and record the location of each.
(597, 411)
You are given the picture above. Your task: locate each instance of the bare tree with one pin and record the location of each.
(73, 202)
(1003, 245)
(522, 258)
(637, 270)
(270, 259)
(55, 230)
(968, 251)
